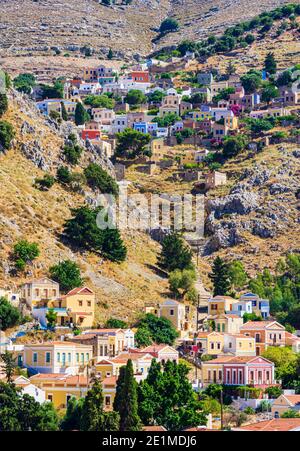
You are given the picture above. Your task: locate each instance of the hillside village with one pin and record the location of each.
(222, 322)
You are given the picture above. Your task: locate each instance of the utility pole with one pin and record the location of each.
(221, 396)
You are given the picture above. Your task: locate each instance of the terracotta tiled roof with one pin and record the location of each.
(234, 359)
(276, 424)
(293, 399)
(257, 325)
(65, 378)
(78, 290)
(122, 358)
(153, 428)
(111, 380)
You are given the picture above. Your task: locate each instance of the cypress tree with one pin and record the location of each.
(92, 417)
(64, 113)
(270, 63)
(81, 116)
(3, 104)
(220, 277)
(127, 402)
(119, 390)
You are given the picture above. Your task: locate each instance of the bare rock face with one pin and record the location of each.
(240, 203)
(223, 237)
(278, 188)
(34, 152)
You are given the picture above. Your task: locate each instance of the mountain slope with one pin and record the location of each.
(122, 290)
(33, 27)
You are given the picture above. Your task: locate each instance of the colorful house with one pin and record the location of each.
(56, 357)
(106, 342)
(284, 403)
(251, 370)
(266, 333)
(60, 388)
(39, 290)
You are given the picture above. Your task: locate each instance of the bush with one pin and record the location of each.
(7, 134)
(114, 323)
(97, 178)
(168, 25)
(72, 153)
(101, 101)
(249, 411)
(45, 183)
(9, 315)
(63, 175)
(67, 274)
(24, 83)
(135, 97)
(26, 251)
(159, 330)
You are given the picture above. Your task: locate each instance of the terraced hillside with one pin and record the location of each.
(34, 27)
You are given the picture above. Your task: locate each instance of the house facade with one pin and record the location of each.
(265, 333)
(252, 370)
(56, 357)
(39, 290)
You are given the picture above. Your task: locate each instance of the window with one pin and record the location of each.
(63, 358)
(35, 357)
(68, 397)
(48, 357)
(82, 357)
(230, 345)
(171, 312)
(87, 357)
(50, 397)
(80, 303)
(77, 357)
(107, 400)
(108, 374)
(69, 357)
(58, 357)
(219, 345)
(212, 346)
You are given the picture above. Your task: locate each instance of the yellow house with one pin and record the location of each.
(79, 304)
(220, 305)
(60, 388)
(181, 315)
(239, 345)
(56, 357)
(211, 343)
(111, 367)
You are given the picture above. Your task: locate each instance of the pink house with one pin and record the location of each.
(253, 370)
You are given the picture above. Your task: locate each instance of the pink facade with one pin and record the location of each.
(257, 372)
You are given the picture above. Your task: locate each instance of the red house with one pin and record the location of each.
(140, 76)
(90, 134)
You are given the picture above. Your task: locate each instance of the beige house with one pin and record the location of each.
(56, 357)
(228, 323)
(106, 342)
(35, 291)
(214, 179)
(181, 315)
(284, 403)
(170, 104)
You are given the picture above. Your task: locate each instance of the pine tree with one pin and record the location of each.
(175, 254)
(3, 104)
(9, 365)
(220, 277)
(81, 116)
(127, 401)
(64, 113)
(113, 247)
(270, 63)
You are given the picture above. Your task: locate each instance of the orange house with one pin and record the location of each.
(140, 76)
(266, 333)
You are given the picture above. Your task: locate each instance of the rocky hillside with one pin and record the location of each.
(256, 216)
(26, 212)
(42, 27)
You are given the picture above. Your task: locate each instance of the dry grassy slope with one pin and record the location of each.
(26, 212)
(198, 19)
(34, 26)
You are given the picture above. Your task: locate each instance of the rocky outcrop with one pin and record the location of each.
(240, 202)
